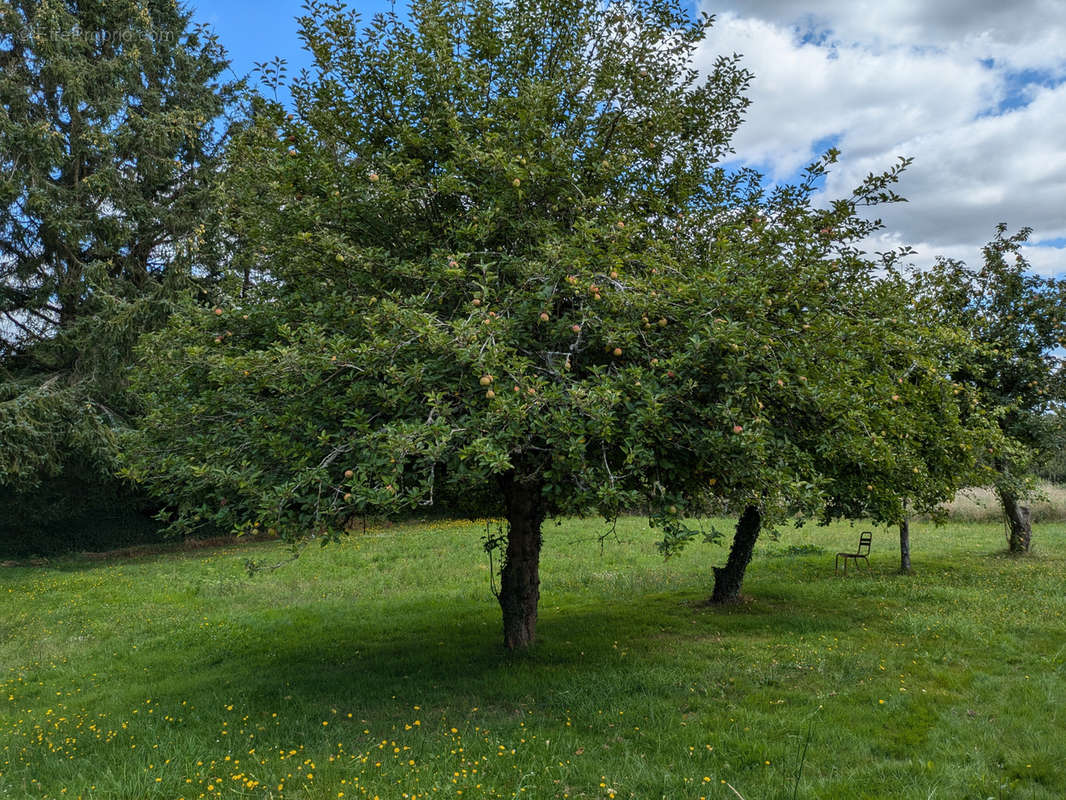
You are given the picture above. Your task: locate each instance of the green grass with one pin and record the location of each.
(375, 667)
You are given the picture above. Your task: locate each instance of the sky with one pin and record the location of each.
(973, 90)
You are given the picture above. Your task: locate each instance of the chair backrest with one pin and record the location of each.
(864, 542)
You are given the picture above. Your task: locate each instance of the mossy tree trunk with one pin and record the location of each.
(520, 575)
(905, 546)
(1020, 527)
(729, 579)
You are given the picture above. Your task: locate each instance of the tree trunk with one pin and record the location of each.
(1018, 521)
(520, 574)
(905, 546)
(728, 579)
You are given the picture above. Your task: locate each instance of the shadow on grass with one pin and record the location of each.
(370, 661)
(271, 647)
(156, 548)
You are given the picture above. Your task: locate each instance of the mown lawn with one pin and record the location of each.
(373, 668)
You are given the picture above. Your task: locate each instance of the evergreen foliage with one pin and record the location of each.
(110, 132)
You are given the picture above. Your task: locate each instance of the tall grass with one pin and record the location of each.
(981, 505)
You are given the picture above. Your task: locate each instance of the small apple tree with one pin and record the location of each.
(496, 269)
(1016, 326)
(924, 438)
(857, 417)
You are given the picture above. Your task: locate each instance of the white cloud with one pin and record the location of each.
(1046, 261)
(965, 87)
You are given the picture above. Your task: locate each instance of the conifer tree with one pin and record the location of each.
(110, 138)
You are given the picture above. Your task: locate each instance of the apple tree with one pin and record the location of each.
(468, 279)
(498, 269)
(856, 414)
(923, 436)
(1015, 323)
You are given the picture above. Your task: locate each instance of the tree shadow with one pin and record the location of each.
(449, 658)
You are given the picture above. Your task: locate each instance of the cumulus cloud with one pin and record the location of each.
(974, 91)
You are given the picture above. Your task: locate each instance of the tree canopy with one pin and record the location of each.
(499, 268)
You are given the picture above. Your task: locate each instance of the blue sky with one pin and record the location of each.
(254, 31)
(973, 90)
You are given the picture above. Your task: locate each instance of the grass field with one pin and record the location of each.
(373, 669)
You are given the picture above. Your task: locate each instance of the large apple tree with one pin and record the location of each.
(490, 263)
